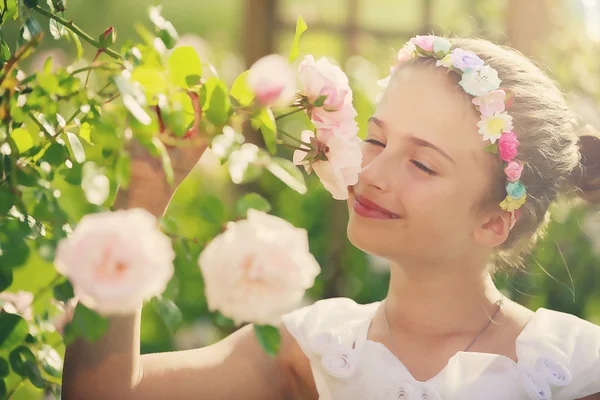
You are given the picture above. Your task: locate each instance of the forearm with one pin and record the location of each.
(107, 369)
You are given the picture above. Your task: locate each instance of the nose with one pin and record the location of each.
(375, 172)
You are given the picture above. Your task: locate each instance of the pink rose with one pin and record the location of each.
(344, 162)
(490, 103)
(513, 170)
(406, 53)
(272, 80)
(507, 146)
(424, 42)
(341, 122)
(324, 79)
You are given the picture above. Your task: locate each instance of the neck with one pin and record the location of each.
(440, 301)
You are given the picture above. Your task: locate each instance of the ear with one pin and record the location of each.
(493, 230)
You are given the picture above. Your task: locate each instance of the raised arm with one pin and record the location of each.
(235, 367)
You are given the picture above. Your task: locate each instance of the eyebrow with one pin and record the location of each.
(420, 142)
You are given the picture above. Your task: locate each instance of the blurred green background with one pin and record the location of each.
(563, 36)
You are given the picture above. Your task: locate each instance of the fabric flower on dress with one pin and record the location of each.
(480, 81)
(116, 260)
(272, 80)
(491, 103)
(537, 382)
(325, 340)
(341, 362)
(493, 126)
(258, 269)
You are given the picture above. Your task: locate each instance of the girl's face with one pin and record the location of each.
(423, 160)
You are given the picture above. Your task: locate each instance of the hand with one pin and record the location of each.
(148, 188)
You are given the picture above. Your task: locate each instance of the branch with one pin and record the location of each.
(70, 25)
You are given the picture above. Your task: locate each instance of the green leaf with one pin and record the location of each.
(2, 388)
(23, 362)
(77, 42)
(211, 209)
(265, 121)
(288, 173)
(184, 62)
(63, 291)
(75, 148)
(22, 139)
(4, 369)
(241, 91)
(269, 338)
(152, 80)
(51, 361)
(56, 154)
(4, 52)
(11, 11)
(492, 148)
(57, 30)
(15, 252)
(251, 200)
(169, 313)
(30, 3)
(166, 160)
(6, 279)
(165, 29)
(320, 101)
(7, 200)
(86, 323)
(123, 170)
(300, 29)
(217, 102)
(13, 329)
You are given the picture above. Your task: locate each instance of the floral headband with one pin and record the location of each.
(482, 82)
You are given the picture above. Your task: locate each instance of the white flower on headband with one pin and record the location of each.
(491, 127)
(490, 103)
(441, 45)
(480, 81)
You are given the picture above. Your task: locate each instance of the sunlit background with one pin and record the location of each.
(563, 36)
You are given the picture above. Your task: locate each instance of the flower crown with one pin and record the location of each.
(482, 82)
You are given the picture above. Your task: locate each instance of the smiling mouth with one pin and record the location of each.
(368, 209)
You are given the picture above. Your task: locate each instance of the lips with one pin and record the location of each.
(370, 209)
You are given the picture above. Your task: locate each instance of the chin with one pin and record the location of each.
(368, 236)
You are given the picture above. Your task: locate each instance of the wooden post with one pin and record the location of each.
(528, 24)
(260, 24)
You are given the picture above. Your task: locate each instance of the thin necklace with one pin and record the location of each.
(500, 303)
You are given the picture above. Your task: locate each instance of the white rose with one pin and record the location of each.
(258, 269)
(272, 80)
(116, 260)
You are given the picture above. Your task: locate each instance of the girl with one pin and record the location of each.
(455, 182)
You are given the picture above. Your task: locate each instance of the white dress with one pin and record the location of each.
(558, 353)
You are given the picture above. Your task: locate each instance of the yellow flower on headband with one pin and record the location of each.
(509, 204)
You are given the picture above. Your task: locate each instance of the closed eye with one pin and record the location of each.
(416, 163)
(423, 168)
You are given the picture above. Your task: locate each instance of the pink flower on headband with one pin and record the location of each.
(513, 170)
(465, 60)
(507, 146)
(424, 42)
(491, 103)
